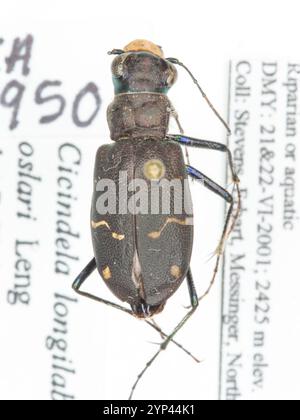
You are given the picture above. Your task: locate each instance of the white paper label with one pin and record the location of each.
(260, 330)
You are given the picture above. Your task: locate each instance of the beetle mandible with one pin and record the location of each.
(144, 256)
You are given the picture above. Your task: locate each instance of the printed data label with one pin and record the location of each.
(261, 317)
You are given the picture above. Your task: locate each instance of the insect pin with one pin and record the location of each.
(141, 213)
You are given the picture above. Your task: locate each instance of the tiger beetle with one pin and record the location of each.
(143, 257)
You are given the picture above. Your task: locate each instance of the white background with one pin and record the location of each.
(71, 41)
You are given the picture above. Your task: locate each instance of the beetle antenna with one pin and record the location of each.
(115, 51)
(163, 347)
(179, 63)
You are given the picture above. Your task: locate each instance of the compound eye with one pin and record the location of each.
(117, 67)
(171, 76)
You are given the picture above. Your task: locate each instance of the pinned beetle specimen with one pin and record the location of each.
(143, 256)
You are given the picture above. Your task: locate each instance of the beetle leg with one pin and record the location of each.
(80, 279)
(192, 289)
(228, 227)
(213, 145)
(194, 305)
(157, 327)
(207, 144)
(216, 146)
(211, 185)
(86, 272)
(163, 335)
